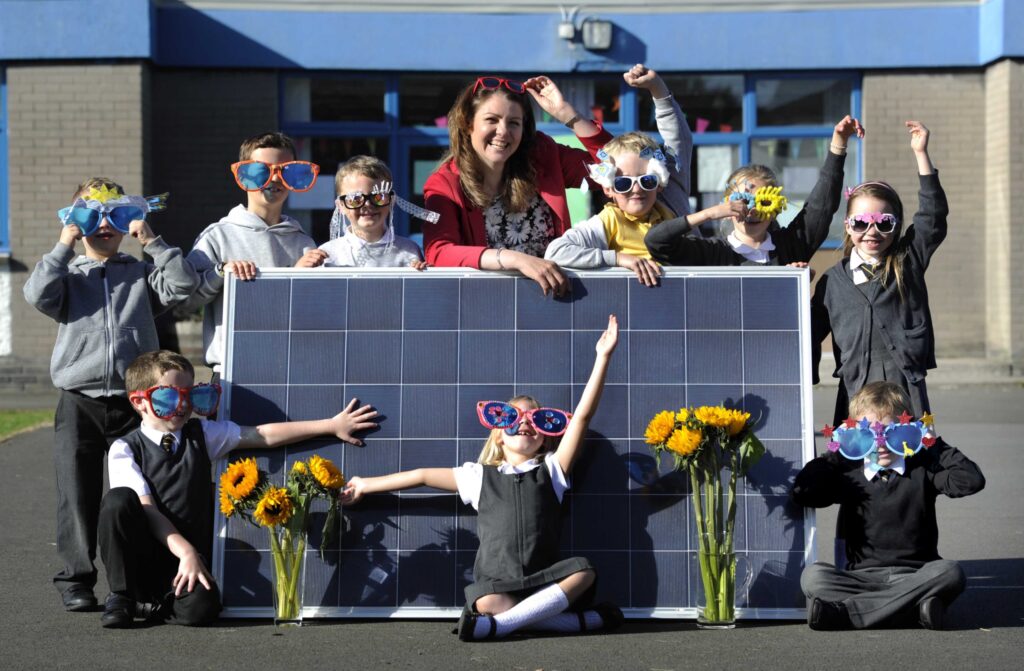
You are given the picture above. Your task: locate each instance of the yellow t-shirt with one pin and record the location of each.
(626, 233)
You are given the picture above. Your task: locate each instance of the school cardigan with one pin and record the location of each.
(888, 523)
(904, 324)
(669, 243)
(459, 237)
(180, 483)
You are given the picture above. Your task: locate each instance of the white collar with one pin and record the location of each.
(856, 260)
(506, 468)
(156, 435)
(756, 254)
(899, 465)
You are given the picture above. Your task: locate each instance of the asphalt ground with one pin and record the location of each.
(985, 532)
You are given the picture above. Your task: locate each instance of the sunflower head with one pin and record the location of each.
(300, 468)
(274, 508)
(326, 473)
(737, 421)
(713, 415)
(227, 508)
(660, 427)
(769, 202)
(684, 441)
(239, 480)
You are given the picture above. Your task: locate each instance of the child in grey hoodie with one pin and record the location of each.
(256, 235)
(104, 303)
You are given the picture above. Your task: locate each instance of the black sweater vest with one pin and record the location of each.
(180, 482)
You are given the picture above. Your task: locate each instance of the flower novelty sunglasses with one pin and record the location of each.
(166, 401)
(860, 439)
(256, 175)
(624, 183)
(491, 83)
(354, 201)
(500, 415)
(884, 223)
(89, 214)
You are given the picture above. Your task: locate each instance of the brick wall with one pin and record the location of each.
(952, 106)
(1004, 242)
(66, 123)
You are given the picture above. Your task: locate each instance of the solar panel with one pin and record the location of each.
(423, 348)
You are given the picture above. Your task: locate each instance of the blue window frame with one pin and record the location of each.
(409, 149)
(5, 229)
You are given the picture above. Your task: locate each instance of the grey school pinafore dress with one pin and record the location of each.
(519, 523)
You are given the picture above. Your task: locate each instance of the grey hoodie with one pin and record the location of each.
(105, 311)
(240, 236)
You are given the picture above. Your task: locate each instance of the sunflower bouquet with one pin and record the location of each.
(703, 441)
(245, 490)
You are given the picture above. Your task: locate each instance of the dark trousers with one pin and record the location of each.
(84, 428)
(874, 595)
(142, 568)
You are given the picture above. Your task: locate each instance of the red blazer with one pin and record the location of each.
(459, 237)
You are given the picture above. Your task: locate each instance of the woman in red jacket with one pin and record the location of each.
(500, 190)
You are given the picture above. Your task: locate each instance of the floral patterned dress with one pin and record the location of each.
(528, 232)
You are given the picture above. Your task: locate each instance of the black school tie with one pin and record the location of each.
(883, 473)
(167, 442)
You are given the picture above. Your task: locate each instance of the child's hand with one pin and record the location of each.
(243, 270)
(736, 209)
(918, 136)
(312, 258)
(802, 264)
(191, 570)
(640, 77)
(141, 231)
(353, 419)
(549, 97)
(418, 265)
(609, 339)
(647, 271)
(845, 129)
(69, 234)
(353, 491)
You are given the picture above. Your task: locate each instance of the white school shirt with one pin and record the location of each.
(469, 478)
(898, 464)
(755, 254)
(123, 471)
(856, 261)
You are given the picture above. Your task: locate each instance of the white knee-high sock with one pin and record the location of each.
(569, 622)
(537, 607)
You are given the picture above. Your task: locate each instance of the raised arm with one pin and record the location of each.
(952, 473)
(576, 432)
(819, 484)
(930, 220)
(439, 478)
(344, 425)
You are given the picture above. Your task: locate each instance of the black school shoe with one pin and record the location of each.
(827, 616)
(118, 612)
(611, 616)
(932, 613)
(467, 625)
(78, 599)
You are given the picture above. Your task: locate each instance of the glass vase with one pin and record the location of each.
(717, 564)
(288, 550)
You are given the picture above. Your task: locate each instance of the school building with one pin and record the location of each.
(158, 94)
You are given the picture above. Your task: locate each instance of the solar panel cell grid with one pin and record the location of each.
(424, 348)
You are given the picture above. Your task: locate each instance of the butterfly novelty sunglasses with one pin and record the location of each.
(624, 183)
(884, 222)
(500, 415)
(89, 214)
(859, 440)
(492, 83)
(354, 201)
(256, 175)
(165, 401)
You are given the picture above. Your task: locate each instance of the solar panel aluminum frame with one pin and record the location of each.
(806, 421)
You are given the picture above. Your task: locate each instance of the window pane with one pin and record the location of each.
(593, 98)
(313, 208)
(334, 99)
(802, 102)
(422, 162)
(712, 165)
(425, 100)
(712, 103)
(796, 163)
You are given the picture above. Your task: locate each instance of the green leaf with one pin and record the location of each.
(751, 451)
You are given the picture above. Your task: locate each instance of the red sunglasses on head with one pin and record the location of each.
(492, 83)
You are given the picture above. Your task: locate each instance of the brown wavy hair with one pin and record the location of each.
(892, 266)
(518, 182)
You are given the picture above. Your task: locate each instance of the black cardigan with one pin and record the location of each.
(669, 245)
